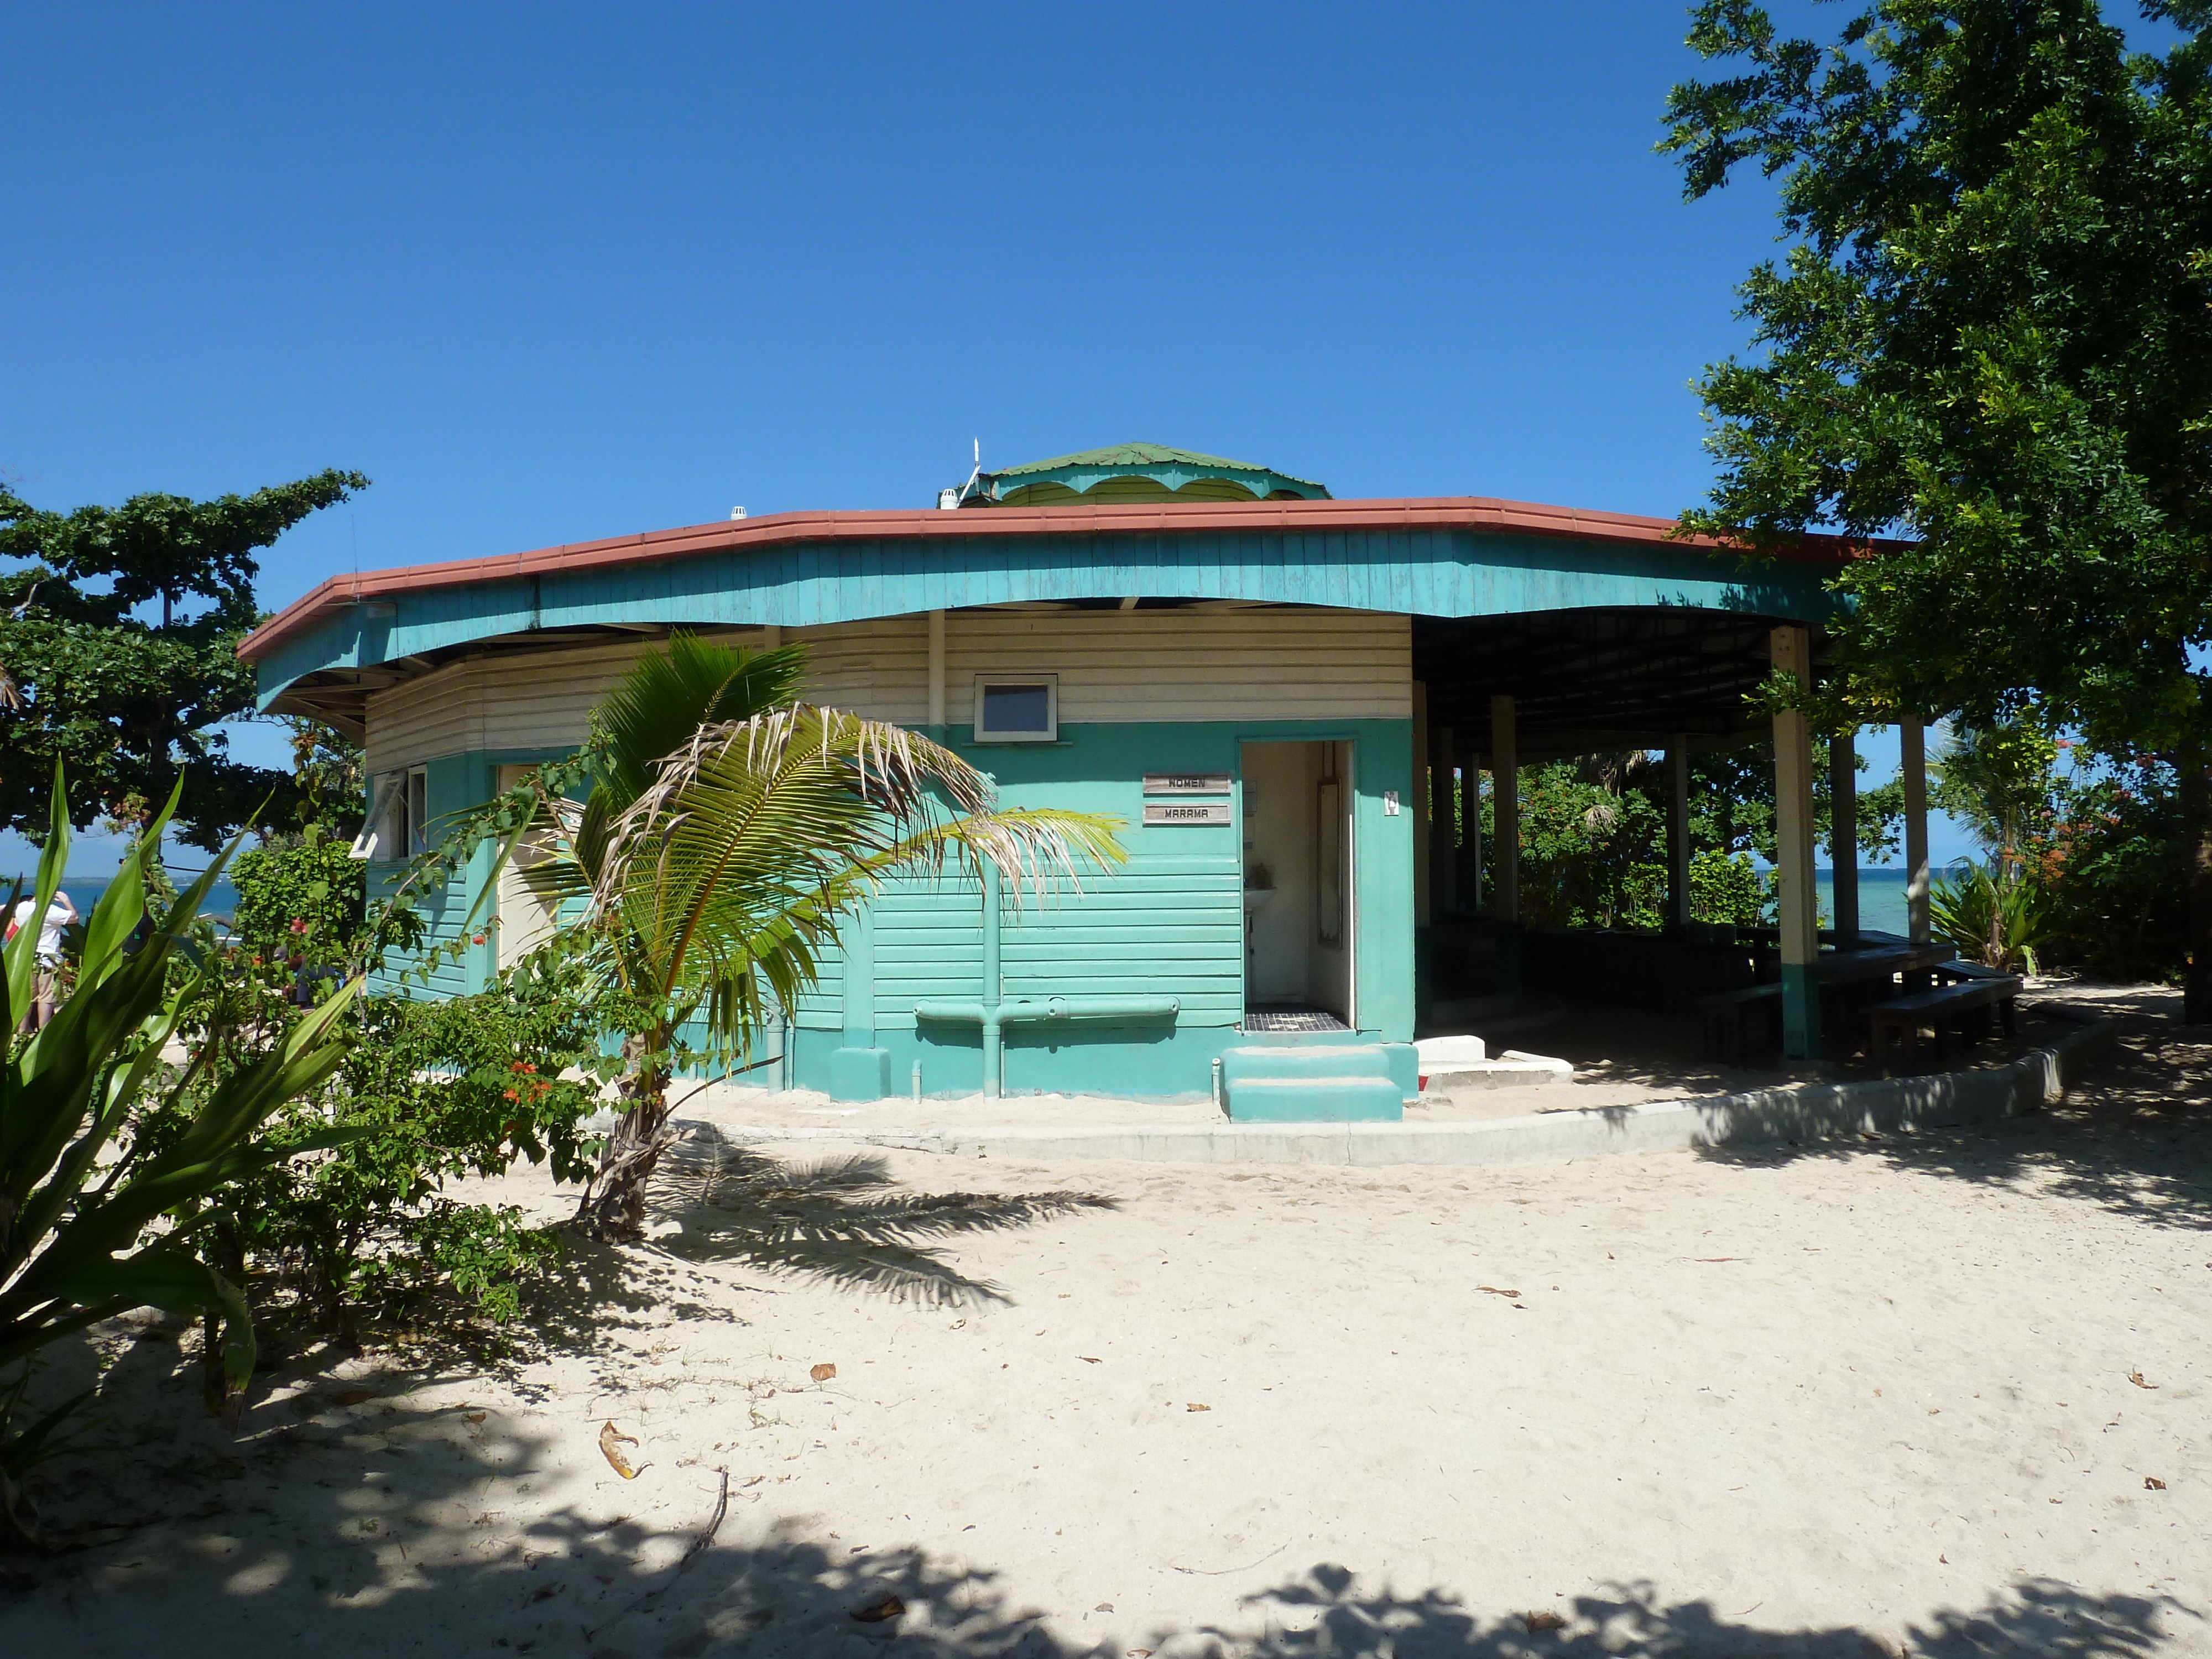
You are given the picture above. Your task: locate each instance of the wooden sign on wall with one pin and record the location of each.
(1187, 811)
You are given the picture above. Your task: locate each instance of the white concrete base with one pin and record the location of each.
(1811, 1112)
(1510, 1070)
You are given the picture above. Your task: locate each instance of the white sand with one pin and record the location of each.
(1815, 1403)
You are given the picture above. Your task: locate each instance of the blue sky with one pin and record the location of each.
(552, 272)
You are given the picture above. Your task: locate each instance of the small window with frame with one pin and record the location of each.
(1018, 708)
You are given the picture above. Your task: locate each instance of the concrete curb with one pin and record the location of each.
(1764, 1116)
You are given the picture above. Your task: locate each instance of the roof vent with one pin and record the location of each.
(736, 512)
(947, 499)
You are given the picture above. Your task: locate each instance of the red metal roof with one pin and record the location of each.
(1438, 512)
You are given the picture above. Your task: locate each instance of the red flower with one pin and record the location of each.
(510, 1094)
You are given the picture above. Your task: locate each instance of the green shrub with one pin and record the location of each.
(2001, 923)
(113, 1164)
(306, 890)
(1727, 888)
(434, 1093)
(2113, 870)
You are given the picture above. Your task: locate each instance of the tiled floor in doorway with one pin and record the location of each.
(1289, 1018)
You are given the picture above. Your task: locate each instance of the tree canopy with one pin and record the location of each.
(1990, 336)
(119, 635)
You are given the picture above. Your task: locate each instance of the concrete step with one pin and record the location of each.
(1314, 1082)
(1350, 1059)
(1314, 1100)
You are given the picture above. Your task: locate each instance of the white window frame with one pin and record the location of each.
(1051, 731)
(417, 821)
(375, 828)
(397, 825)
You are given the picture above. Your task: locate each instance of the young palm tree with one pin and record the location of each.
(730, 829)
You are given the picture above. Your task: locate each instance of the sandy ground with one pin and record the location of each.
(1905, 1396)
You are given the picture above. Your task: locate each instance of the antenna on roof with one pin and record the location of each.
(948, 499)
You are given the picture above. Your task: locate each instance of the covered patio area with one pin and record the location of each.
(1496, 693)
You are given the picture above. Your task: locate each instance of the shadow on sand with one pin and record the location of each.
(843, 1220)
(2134, 1136)
(399, 1566)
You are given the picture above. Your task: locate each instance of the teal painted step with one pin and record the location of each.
(1310, 1082)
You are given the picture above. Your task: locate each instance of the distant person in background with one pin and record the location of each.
(46, 981)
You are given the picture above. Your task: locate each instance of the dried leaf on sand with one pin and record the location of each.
(822, 1372)
(612, 1442)
(877, 1612)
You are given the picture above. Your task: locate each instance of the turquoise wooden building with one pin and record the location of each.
(1275, 690)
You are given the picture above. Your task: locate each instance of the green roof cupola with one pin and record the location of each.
(1136, 472)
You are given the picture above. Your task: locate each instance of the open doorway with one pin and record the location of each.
(1298, 887)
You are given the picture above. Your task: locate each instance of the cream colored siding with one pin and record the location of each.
(1112, 667)
(526, 702)
(494, 704)
(1127, 666)
(879, 669)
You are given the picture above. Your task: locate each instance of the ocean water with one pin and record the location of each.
(1881, 898)
(84, 892)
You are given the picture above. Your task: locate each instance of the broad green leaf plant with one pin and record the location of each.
(94, 1218)
(730, 828)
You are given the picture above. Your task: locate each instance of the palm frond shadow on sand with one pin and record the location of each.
(843, 1220)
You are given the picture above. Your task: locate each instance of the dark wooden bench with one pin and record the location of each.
(1728, 1015)
(1962, 969)
(1966, 1004)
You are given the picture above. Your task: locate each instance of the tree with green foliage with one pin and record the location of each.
(119, 636)
(1990, 335)
(2001, 781)
(1593, 836)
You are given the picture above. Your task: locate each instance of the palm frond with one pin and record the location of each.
(731, 869)
(667, 696)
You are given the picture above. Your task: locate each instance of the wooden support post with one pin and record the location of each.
(1796, 896)
(1444, 825)
(1424, 897)
(1505, 809)
(772, 634)
(1844, 834)
(937, 671)
(1678, 832)
(1470, 842)
(1912, 768)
